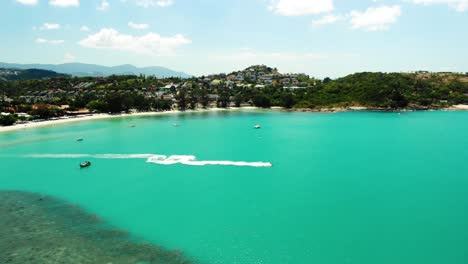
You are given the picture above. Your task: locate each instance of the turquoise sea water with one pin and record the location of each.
(360, 188)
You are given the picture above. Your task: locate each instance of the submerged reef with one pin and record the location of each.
(45, 230)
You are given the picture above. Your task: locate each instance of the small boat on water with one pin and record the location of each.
(257, 126)
(176, 125)
(132, 126)
(80, 139)
(85, 164)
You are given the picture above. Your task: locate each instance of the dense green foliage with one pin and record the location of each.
(124, 93)
(7, 120)
(32, 74)
(387, 90)
(116, 103)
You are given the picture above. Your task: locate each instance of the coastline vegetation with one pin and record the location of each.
(259, 86)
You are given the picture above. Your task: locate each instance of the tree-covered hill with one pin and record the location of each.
(28, 74)
(259, 86)
(389, 90)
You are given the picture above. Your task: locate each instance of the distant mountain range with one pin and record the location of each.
(92, 70)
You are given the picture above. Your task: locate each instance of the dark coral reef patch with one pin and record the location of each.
(42, 229)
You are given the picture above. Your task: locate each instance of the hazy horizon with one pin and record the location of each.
(220, 72)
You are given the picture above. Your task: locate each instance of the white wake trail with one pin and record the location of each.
(192, 161)
(58, 156)
(189, 160)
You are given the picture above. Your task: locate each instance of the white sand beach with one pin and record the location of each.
(66, 120)
(457, 107)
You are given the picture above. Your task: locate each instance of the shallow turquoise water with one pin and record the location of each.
(359, 188)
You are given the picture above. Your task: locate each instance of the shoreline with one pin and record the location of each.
(460, 107)
(91, 117)
(31, 125)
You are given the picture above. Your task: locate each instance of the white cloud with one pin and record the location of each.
(154, 3)
(28, 2)
(325, 20)
(459, 5)
(64, 3)
(151, 43)
(138, 26)
(49, 26)
(84, 28)
(164, 3)
(68, 57)
(104, 5)
(47, 41)
(375, 18)
(300, 7)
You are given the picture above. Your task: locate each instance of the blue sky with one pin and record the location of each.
(318, 37)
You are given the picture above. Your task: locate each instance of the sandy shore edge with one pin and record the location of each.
(460, 107)
(30, 125)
